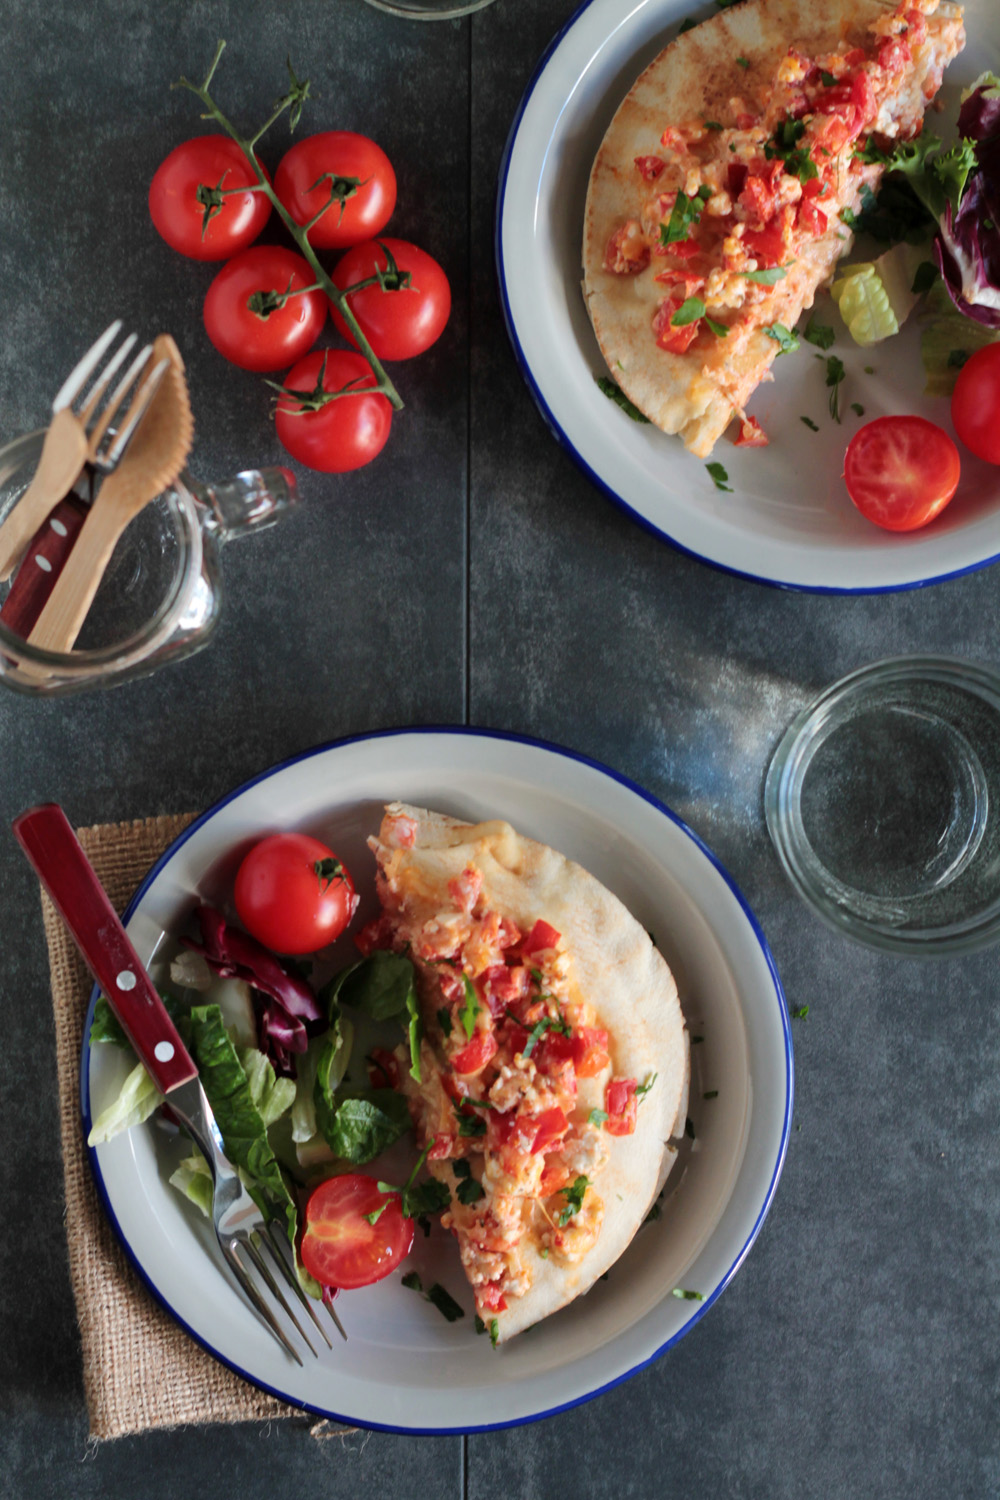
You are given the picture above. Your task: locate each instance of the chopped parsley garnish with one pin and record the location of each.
(415, 1199)
(469, 1192)
(924, 277)
(743, 62)
(835, 373)
(574, 1200)
(689, 1128)
(801, 1013)
(848, 216)
(461, 1168)
(714, 125)
(826, 79)
(538, 977)
(689, 312)
(869, 369)
(770, 277)
(704, 192)
(719, 329)
(437, 1296)
(470, 1010)
(656, 1211)
(681, 1291)
(494, 1331)
(820, 334)
(785, 145)
(597, 1117)
(547, 1023)
(685, 213)
(719, 476)
(696, 1039)
(712, 1094)
(644, 1088)
(809, 423)
(444, 1020)
(784, 338)
(857, 408)
(469, 1125)
(871, 153)
(617, 395)
(686, 25)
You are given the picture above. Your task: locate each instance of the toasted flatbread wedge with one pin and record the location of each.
(554, 1064)
(725, 188)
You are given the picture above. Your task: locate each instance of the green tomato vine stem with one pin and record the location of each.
(293, 101)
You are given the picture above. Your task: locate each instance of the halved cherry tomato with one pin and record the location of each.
(475, 1055)
(901, 471)
(211, 161)
(264, 339)
(975, 404)
(293, 894)
(348, 172)
(542, 936)
(622, 1106)
(340, 1247)
(398, 321)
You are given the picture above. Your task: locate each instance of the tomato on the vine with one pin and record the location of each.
(293, 894)
(975, 404)
(340, 435)
(212, 162)
(345, 170)
(901, 471)
(402, 320)
(245, 317)
(341, 1246)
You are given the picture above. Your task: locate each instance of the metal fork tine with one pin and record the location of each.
(277, 1250)
(89, 411)
(78, 377)
(122, 389)
(251, 1246)
(137, 411)
(246, 1281)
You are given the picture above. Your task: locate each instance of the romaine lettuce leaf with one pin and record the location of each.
(137, 1100)
(193, 1178)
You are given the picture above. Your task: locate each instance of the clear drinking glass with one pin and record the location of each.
(883, 803)
(161, 594)
(430, 10)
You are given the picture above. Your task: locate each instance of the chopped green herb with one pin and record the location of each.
(784, 338)
(377, 1213)
(469, 1192)
(436, 1296)
(835, 373)
(461, 1168)
(494, 1331)
(478, 1324)
(538, 977)
(924, 277)
(743, 62)
(704, 192)
(714, 125)
(544, 1253)
(827, 79)
(617, 395)
(869, 369)
(871, 154)
(712, 1094)
(732, 145)
(547, 1023)
(469, 1125)
(412, 1282)
(574, 1199)
(719, 477)
(857, 408)
(688, 24)
(470, 1010)
(770, 277)
(696, 1039)
(689, 1128)
(848, 216)
(957, 358)
(820, 334)
(685, 213)
(597, 1117)
(444, 1020)
(644, 1088)
(656, 1211)
(689, 312)
(719, 329)
(680, 1291)
(801, 1013)
(417, 1199)
(809, 423)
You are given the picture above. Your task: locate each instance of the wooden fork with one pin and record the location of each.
(154, 458)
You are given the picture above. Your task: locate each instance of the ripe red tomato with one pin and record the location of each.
(401, 321)
(293, 894)
(344, 434)
(474, 1056)
(975, 404)
(901, 471)
(339, 1245)
(215, 162)
(351, 167)
(261, 339)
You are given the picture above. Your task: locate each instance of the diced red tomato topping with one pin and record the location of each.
(893, 55)
(650, 167)
(852, 100)
(464, 889)
(586, 1049)
(541, 937)
(672, 138)
(375, 935)
(551, 1125)
(502, 985)
(383, 1069)
(916, 27)
(767, 246)
(674, 340)
(554, 1177)
(491, 1297)
(752, 434)
(745, 121)
(811, 217)
(759, 202)
(443, 1147)
(627, 252)
(475, 1055)
(683, 249)
(621, 1105)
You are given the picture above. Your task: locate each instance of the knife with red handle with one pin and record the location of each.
(54, 851)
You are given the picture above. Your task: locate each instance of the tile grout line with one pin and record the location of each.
(468, 436)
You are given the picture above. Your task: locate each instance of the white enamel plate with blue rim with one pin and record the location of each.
(405, 1368)
(789, 520)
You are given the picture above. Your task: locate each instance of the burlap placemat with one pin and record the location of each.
(140, 1370)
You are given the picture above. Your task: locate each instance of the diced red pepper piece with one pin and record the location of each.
(767, 246)
(649, 167)
(375, 935)
(554, 1177)
(893, 55)
(811, 217)
(622, 1106)
(627, 252)
(683, 249)
(752, 435)
(550, 1127)
(475, 1055)
(491, 1298)
(443, 1147)
(674, 340)
(541, 937)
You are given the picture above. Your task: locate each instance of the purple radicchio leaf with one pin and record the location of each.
(233, 954)
(968, 245)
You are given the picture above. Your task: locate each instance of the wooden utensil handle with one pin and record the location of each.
(54, 851)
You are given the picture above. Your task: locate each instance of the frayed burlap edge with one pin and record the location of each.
(140, 1369)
